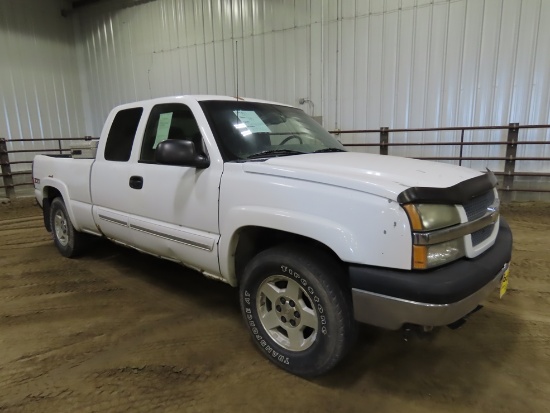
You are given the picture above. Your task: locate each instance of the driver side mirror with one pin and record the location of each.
(180, 153)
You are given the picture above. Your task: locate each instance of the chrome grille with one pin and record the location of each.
(477, 207)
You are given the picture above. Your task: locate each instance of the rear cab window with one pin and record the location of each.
(122, 134)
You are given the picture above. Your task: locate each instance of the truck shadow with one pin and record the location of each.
(446, 366)
(450, 366)
(168, 280)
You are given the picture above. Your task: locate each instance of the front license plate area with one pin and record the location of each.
(504, 282)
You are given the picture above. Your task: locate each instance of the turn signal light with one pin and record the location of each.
(414, 217)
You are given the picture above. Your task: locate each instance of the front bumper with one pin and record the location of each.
(391, 298)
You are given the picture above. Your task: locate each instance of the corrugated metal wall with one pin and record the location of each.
(362, 64)
(173, 47)
(40, 90)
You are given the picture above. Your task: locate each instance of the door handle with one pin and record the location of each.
(136, 182)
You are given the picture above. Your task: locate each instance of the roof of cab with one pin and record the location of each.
(198, 98)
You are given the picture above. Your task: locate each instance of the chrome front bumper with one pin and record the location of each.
(392, 313)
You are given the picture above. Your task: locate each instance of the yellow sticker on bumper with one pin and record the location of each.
(504, 283)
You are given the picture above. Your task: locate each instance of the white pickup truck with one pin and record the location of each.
(260, 196)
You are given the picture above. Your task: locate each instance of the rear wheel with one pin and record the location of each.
(68, 241)
(296, 309)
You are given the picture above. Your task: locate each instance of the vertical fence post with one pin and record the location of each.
(384, 140)
(461, 147)
(6, 169)
(510, 163)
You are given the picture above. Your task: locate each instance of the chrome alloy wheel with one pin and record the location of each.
(287, 313)
(61, 228)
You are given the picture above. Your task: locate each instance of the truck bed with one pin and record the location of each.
(72, 175)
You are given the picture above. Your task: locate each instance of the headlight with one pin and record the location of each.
(427, 219)
(429, 256)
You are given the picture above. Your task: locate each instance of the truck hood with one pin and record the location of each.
(385, 176)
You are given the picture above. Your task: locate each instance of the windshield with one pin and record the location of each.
(250, 130)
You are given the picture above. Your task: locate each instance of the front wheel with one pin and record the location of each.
(68, 241)
(298, 313)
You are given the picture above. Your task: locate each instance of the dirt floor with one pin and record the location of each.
(117, 330)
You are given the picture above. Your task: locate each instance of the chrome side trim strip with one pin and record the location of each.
(457, 231)
(113, 220)
(172, 238)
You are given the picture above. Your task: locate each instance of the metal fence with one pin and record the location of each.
(384, 143)
(510, 158)
(8, 184)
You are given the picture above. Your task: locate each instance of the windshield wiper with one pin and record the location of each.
(274, 153)
(329, 150)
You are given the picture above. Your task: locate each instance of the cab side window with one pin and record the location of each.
(169, 121)
(121, 135)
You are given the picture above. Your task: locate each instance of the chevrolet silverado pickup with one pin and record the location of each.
(258, 195)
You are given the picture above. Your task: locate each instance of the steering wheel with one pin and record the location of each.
(288, 138)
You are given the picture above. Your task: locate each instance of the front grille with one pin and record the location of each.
(477, 207)
(481, 235)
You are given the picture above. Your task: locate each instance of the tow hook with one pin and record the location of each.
(459, 323)
(426, 332)
(414, 330)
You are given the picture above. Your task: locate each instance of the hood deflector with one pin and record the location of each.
(456, 194)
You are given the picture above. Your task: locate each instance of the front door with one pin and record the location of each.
(174, 214)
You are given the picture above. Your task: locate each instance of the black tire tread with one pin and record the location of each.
(332, 277)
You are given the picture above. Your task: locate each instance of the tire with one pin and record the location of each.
(297, 309)
(68, 241)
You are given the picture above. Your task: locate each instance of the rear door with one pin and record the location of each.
(112, 174)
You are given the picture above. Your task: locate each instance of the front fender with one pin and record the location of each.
(339, 239)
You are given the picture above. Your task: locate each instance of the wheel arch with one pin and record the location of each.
(248, 241)
(53, 190)
(246, 230)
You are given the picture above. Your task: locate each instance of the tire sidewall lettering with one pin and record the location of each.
(319, 308)
(256, 333)
(265, 342)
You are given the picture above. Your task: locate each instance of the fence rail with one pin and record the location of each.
(7, 175)
(383, 143)
(510, 157)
